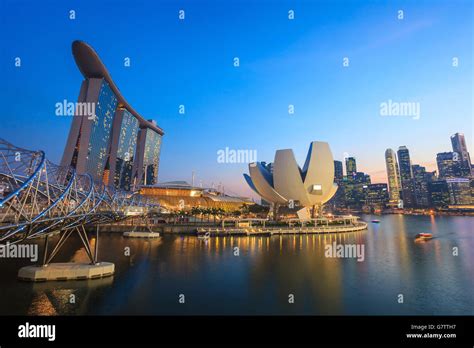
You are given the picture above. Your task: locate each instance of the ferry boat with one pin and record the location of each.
(375, 221)
(204, 236)
(423, 236)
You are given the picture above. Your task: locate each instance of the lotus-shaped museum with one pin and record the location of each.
(311, 186)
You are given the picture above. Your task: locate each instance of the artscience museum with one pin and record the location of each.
(284, 181)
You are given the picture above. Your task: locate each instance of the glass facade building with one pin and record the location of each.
(421, 180)
(351, 167)
(107, 144)
(459, 146)
(99, 141)
(354, 189)
(151, 157)
(393, 176)
(406, 176)
(126, 151)
(439, 194)
(459, 191)
(338, 172)
(448, 165)
(376, 195)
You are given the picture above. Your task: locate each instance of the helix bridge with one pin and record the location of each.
(39, 198)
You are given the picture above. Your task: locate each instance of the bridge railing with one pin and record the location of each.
(38, 197)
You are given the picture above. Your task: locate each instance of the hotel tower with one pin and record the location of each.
(116, 146)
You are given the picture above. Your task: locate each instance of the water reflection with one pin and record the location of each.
(258, 278)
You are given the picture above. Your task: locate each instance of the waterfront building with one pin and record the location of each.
(439, 194)
(459, 190)
(310, 186)
(376, 196)
(393, 176)
(111, 142)
(354, 192)
(459, 146)
(149, 145)
(180, 195)
(406, 176)
(124, 139)
(421, 180)
(448, 165)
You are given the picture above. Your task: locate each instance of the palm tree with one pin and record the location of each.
(208, 213)
(221, 212)
(195, 211)
(244, 208)
(214, 212)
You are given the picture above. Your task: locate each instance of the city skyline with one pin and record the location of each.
(240, 159)
(235, 107)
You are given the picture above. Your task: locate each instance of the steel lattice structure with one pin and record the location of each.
(38, 197)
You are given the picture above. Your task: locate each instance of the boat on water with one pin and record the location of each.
(423, 236)
(204, 236)
(375, 221)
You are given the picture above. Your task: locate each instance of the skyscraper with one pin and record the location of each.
(338, 173)
(376, 196)
(107, 144)
(149, 144)
(354, 185)
(459, 146)
(393, 176)
(420, 181)
(124, 139)
(448, 165)
(351, 167)
(338, 200)
(439, 194)
(459, 190)
(406, 176)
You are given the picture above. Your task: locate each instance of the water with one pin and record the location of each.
(268, 269)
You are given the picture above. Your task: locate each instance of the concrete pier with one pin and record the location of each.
(270, 231)
(66, 271)
(136, 234)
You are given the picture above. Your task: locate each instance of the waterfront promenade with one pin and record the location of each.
(269, 231)
(217, 230)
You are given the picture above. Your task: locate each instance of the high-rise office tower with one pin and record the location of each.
(439, 193)
(376, 195)
(448, 165)
(459, 146)
(338, 172)
(351, 167)
(421, 180)
(338, 200)
(354, 194)
(393, 176)
(111, 142)
(406, 176)
(459, 191)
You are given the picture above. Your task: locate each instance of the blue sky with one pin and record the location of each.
(282, 62)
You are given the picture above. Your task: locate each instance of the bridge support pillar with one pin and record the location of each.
(68, 270)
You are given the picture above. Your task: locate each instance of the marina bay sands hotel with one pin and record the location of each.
(115, 144)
